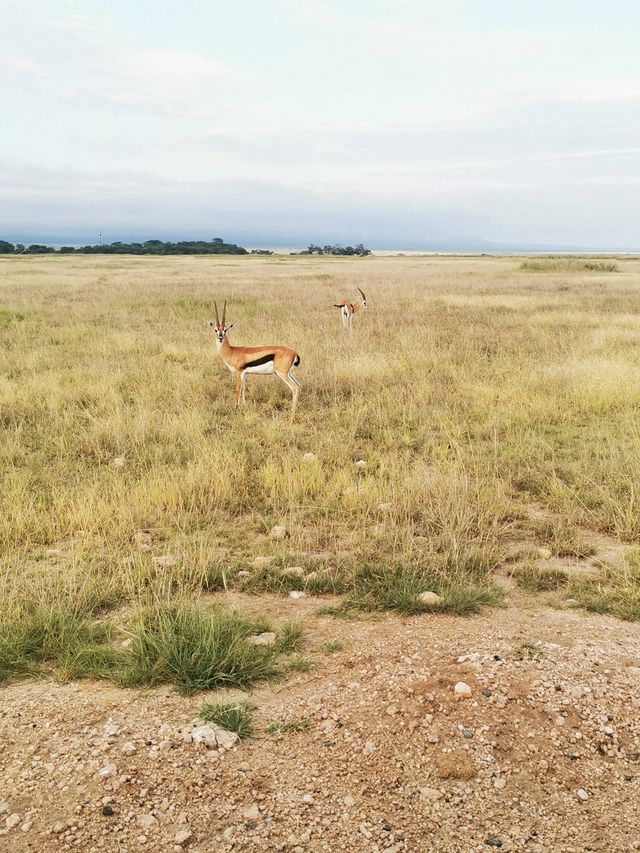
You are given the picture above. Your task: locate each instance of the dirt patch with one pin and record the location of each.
(378, 755)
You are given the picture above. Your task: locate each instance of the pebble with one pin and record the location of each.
(297, 571)
(251, 812)
(297, 593)
(582, 794)
(107, 771)
(493, 842)
(111, 729)
(129, 748)
(462, 690)
(167, 561)
(4, 807)
(278, 532)
(183, 837)
(13, 820)
(361, 464)
(308, 798)
(147, 821)
(545, 553)
(309, 457)
(348, 801)
(429, 598)
(119, 461)
(261, 562)
(267, 639)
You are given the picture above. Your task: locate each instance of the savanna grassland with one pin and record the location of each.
(494, 402)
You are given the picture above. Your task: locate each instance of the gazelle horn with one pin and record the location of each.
(215, 305)
(224, 312)
(363, 296)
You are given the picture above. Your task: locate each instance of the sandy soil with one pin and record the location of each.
(544, 755)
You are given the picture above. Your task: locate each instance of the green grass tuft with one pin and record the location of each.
(195, 648)
(232, 716)
(535, 579)
(286, 727)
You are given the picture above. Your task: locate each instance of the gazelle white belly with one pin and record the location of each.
(264, 369)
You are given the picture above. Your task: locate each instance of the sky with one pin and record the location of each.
(391, 122)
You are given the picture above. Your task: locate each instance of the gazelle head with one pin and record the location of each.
(220, 327)
(363, 299)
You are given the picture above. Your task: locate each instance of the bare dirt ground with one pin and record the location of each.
(544, 755)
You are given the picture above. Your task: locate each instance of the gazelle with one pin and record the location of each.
(265, 360)
(348, 309)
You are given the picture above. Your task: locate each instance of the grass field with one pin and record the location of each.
(494, 402)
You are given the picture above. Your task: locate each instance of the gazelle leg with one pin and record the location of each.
(244, 386)
(239, 387)
(292, 384)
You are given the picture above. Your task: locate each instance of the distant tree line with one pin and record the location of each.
(359, 250)
(217, 246)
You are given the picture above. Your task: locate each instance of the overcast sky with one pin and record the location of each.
(386, 121)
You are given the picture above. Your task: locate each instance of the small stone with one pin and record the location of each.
(167, 561)
(13, 820)
(429, 598)
(369, 747)
(570, 602)
(261, 562)
(391, 710)
(467, 735)
(129, 748)
(4, 807)
(582, 794)
(545, 553)
(307, 798)
(54, 552)
(462, 690)
(385, 506)
(499, 782)
(243, 575)
(348, 801)
(26, 826)
(225, 739)
(430, 794)
(297, 593)
(111, 729)
(267, 638)
(278, 532)
(309, 457)
(107, 771)
(361, 464)
(297, 571)
(126, 643)
(119, 461)
(487, 693)
(183, 837)
(493, 842)
(251, 812)
(147, 821)
(107, 811)
(204, 735)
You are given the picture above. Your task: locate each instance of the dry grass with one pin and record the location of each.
(470, 390)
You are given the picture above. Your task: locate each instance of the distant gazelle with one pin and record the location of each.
(264, 360)
(349, 308)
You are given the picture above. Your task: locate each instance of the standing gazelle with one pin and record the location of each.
(265, 360)
(348, 309)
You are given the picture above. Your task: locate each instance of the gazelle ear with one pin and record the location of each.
(210, 323)
(231, 325)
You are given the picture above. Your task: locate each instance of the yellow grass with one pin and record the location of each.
(470, 388)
